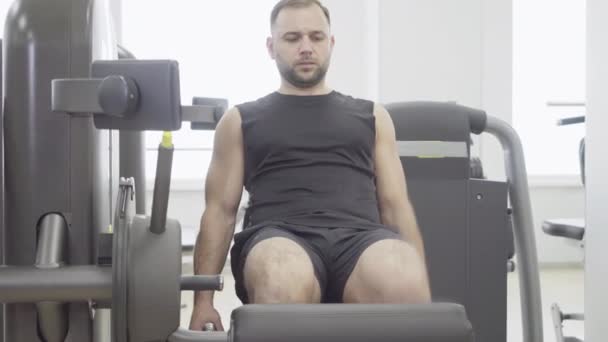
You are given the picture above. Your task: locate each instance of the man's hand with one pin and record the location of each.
(203, 314)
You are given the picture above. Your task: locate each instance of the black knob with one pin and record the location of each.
(118, 96)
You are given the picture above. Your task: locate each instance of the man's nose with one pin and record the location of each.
(306, 46)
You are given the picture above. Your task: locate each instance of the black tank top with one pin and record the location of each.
(309, 160)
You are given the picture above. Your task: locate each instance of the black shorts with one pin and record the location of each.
(334, 252)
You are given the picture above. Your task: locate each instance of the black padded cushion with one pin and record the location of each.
(351, 323)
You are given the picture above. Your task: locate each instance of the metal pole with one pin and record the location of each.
(64, 284)
(53, 317)
(102, 325)
(1, 186)
(525, 242)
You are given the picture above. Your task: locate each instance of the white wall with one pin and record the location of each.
(596, 275)
(430, 50)
(354, 67)
(449, 51)
(496, 76)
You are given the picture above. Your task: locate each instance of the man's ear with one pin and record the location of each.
(270, 47)
(332, 41)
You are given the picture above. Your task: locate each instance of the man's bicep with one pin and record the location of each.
(224, 183)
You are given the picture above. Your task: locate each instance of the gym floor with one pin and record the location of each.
(561, 284)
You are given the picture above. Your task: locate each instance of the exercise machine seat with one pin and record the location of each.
(351, 323)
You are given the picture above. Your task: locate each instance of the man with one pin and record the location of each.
(329, 219)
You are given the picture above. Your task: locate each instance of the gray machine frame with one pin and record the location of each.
(1, 186)
(523, 228)
(33, 188)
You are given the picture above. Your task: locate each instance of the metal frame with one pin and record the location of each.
(523, 226)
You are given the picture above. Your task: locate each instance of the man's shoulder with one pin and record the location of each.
(348, 97)
(354, 101)
(249, 111)
(264, 100)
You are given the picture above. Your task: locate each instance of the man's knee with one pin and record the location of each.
(278, 270)
(389, 271)
(409, 275)
(407, 287)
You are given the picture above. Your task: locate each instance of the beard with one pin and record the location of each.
(291, 75)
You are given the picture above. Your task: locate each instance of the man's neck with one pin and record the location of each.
(319, 89)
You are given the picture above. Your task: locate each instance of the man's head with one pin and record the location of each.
(301, 41)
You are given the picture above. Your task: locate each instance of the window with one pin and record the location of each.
(549, 54)
(5, 5)
(221, 51)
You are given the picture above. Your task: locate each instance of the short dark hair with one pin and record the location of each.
(296, 4)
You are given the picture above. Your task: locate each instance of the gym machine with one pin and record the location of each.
(571, 229)
(69, 257)
(470, 229)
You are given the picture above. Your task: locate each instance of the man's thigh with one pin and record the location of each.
(387, 270)
(276, 265)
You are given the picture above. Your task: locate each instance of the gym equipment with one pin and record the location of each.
(558, 318)
(1, 195)
(55, 165)
(345, 323)
(569, 228)
(572, 229)
(61, 186)
(477, 168)
(467, 220)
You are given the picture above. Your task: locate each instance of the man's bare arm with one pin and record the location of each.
(395, 207)
(223, 191)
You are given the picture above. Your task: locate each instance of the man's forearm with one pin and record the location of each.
(211, 248)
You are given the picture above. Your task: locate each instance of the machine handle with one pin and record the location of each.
(202, 283)
(571, 121)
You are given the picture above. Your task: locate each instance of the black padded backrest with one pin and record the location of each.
(424, 129)
(436, 120)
